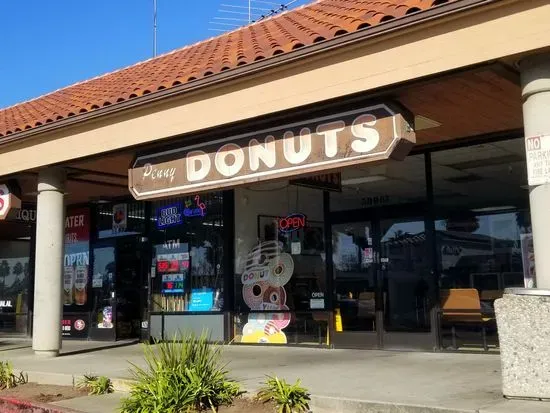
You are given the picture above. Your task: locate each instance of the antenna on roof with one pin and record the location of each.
(237, 13)
(154, 28)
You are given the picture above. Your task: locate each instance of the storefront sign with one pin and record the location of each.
(26, 214)
(538, 159)
(327, 182)
(8, 201)
(371, 134)
(291, 223)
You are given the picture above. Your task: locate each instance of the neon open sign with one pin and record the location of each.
(292, 222)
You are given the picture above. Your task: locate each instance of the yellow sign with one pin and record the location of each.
(338, 321)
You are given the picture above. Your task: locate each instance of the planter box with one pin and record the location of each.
(523, 319)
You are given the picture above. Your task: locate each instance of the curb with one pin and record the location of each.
(326, 404)
(11, 405)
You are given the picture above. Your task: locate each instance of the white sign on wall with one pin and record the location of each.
(537, 149)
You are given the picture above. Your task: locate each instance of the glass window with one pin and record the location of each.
(15, 281)
(483, 235)
(188, 238)
(390, 183)
(280, 264)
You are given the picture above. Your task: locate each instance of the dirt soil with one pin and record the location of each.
(42, 393)
(246, 405)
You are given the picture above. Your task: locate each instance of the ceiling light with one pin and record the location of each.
(422, 122)
(363, 180)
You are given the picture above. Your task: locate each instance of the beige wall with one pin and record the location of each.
(482, 35)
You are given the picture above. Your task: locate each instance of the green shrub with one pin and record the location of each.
(180, 376)
(95, 385)
(8, 378)
(289, 398)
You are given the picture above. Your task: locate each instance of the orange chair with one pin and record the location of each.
(463, 306)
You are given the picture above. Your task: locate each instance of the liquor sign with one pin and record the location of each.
(26, 214)
(8, 201)
(371, 134)
(537, 149)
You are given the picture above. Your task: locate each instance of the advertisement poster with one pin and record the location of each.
(268, 269)
(201, 300)
(528, 258)
(120, 218)
(77, 257)
(74, 325)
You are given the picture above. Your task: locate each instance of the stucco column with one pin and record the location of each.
(48, 284)
(535, 81)
(522, 313)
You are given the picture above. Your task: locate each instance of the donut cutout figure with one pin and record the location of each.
(268, 269)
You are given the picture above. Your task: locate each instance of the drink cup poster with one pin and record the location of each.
(77, 257)
(120, 218)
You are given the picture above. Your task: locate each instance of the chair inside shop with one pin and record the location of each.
(462, 307)
(366, 309)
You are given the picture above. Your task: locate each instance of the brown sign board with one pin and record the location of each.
(327, 182)
(8, 201)
(323, 145)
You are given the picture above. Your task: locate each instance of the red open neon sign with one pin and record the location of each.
(292, 222)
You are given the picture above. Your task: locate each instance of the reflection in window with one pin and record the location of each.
(484, 252)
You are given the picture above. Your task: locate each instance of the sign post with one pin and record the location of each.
(537, 149)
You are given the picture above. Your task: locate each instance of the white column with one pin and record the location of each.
(48, 273)
(535, 80)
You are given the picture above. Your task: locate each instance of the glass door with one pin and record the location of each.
(118, 289)
(102, 316)
(357, 298)
(406, 282)
(383, 283)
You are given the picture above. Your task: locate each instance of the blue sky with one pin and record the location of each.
(48, 44)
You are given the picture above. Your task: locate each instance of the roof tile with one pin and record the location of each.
(283, 33)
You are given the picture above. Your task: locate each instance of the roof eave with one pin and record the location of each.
(255, 67)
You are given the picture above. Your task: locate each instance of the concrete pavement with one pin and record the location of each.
(341, 380)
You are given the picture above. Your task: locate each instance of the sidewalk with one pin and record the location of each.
(389, 381)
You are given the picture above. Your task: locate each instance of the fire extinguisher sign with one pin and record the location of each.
(537, 149)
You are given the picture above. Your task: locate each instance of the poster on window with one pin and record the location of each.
(120, 218)
(77, 257)
(528, 258)
(268, 269)
(75, 325)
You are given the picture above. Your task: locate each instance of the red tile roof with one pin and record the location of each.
(294, 29)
